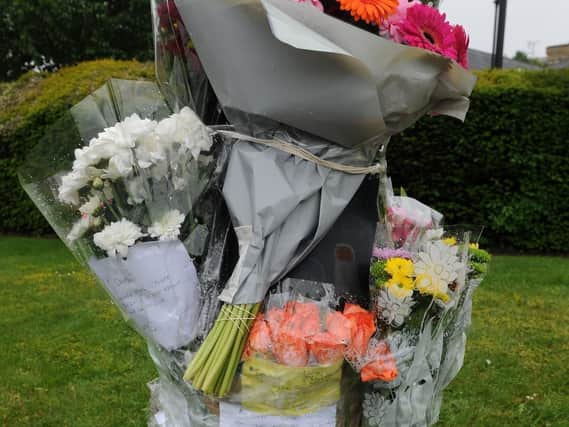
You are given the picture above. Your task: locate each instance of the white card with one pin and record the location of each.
(232, 415)
(157, 288)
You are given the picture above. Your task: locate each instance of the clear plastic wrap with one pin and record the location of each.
(121, 188)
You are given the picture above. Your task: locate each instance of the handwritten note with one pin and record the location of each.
(232, 415)
(157, 288)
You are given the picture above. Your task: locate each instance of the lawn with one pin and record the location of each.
(68, 359)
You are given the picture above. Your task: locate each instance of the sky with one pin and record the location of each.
(542, 23)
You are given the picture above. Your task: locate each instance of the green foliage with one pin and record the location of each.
(28, 107)
(69, 359)
(506, 167)
(52, 33)
(378, 273)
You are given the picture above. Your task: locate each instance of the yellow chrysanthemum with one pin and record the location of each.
(400, 286)
(427, 285)
(399, 267)
(474, 246)
(370, 11)
(451, 241)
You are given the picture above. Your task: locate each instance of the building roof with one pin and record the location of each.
(479, 60)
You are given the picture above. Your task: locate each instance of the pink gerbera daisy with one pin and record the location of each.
(315, 3)
(390, 26)
(427, 28)
(461, 42)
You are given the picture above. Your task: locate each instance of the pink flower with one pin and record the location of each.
(461, 42)
(390, 26)
(315, 3)
(426, 28)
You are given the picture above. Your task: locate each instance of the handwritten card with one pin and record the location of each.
(157, 288)
(232, 415)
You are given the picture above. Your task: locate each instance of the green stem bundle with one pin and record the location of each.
(214, 366)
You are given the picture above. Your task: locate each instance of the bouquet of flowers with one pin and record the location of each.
(206, 204)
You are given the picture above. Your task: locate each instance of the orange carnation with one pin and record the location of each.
(370, 11)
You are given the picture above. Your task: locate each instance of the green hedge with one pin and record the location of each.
(506, 167)
(28, 107)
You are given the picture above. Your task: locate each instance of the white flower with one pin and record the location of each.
(135, 189)
(79, 228)
(186, 129)
(70, 186)
(117, 237)
(437, 267)
(120, 166)
(91, 206)
(149, 151)
(392, 310)
(126, 133)
(168, 228)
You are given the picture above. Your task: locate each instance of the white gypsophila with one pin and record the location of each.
(168, 227)
(117, 237)
(91, 206)
(436, 267)
(374, 408)
(391, 309)
(187, 129)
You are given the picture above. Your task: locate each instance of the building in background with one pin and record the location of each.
(479, 60)
(558, 56)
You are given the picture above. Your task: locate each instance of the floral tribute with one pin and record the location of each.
(238, 212)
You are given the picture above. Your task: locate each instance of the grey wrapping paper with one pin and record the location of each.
(283, 69)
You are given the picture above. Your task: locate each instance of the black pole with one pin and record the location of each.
(499, 33)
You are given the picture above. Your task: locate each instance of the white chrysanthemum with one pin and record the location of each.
(91, 206)
(436, 267)
(186, 129)
(168, 228)
(117, 237)
(391, 309)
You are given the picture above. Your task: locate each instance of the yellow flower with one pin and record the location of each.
(474, 246)
(399, 267)
(428, 285)
(451, 241)
(400, 286)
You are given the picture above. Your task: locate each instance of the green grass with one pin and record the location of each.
(68, 359)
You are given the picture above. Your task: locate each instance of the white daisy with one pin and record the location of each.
(436, 267)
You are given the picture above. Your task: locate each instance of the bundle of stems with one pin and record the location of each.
(214, 366)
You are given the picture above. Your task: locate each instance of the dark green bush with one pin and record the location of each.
(53, 33)
(506, 167)
(27, 108)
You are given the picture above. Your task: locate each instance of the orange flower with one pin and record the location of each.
(382, 365)
(339, 326)
(290, 349)
(259, 340)
(370, 11)
(326, 348)
(362, 329)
